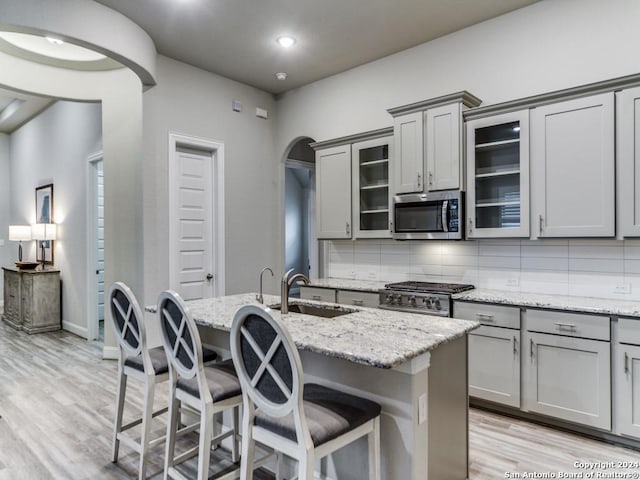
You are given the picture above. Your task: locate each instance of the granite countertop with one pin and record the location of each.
(347, 284)
(370, 336)
(605, 306)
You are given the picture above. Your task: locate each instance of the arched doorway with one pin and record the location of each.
(300, 245)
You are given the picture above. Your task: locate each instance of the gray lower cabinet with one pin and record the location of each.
(494, 352)
(494, 365)
(626, 377)
(358, 298)
(565, 376)
(318, 294)
(32, 299)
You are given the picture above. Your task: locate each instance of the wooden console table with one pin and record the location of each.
(32, 299)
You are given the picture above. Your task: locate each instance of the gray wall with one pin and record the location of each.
(8, 252)
(193, 102)
(547, 46)
(53, 148)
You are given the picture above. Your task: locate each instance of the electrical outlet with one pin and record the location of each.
(422, 408)
(623, 288)
(513, 282)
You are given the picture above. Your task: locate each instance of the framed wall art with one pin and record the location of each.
(44, 214)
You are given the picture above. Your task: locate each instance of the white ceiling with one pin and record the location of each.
(17, 108)
(236, 38)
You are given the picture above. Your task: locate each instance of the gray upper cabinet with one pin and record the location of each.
(573, 168)
(498, 176)
(371, 193)
(408, 131)
(353, 181)
(443, 147)
(428, 144)
(333, 192)
(628, 125)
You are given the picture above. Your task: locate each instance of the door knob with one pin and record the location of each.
(209, 276)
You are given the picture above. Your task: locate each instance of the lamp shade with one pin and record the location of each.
(44, 231)
(19, 232)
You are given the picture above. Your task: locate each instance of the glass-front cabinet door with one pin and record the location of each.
(371, 193)
(498, 176)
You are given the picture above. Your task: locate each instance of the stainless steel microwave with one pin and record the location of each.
(429, 216)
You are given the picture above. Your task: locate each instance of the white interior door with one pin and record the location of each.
(194, 226)
(100, 238)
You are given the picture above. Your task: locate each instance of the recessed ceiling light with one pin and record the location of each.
(281, 76)
(286, 41)
(54, 41)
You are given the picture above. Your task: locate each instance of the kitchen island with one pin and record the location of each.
(415, 366)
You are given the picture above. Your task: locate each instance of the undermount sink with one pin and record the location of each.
(324, 311)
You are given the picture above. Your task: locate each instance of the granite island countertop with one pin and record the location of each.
(370, 336)
(604, 306)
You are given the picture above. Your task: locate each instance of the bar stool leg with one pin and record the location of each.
(235, 447)
(305, 466)
(373, 440)
(117, 427)
(147, 415)
(206, 435)
(172, 429)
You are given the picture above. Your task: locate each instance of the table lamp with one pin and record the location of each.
(43, 232)
(18, 233)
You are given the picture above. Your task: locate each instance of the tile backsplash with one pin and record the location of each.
(592, 268)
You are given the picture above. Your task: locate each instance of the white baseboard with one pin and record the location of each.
(110, 353)
(75, 329)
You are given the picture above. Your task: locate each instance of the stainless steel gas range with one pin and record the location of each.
(427, 298)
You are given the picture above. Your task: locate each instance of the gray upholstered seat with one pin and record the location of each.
(159, 360)
(221, 378)
(329, 412)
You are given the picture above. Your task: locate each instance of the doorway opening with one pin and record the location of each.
(301, 250)
(95, 247)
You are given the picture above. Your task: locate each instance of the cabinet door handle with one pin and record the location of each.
(316, 297)
(419, 179)
(626, 362)
(348, 229)
(390, 227)
(485, 316)
(515, 345)
(541, 223)
(355, 301)
(569, 327)
(431, 179)
(531, 347)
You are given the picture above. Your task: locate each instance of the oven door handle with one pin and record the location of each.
(445, 215)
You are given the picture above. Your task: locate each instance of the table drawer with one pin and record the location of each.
(495, 315)
(569, 324)
(358, 298)
(629, 331)
(317, 293)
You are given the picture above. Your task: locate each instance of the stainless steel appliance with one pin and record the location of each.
(429, 216)
(421, 297)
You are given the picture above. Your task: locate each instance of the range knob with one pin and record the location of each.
(389, 299)
(436, 304)
(398, 299)
(412, 300)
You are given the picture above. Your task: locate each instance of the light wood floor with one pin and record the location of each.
(57, 400)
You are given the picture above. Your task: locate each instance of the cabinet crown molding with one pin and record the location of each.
(467, 99)
(533, 101)
(357, 137)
